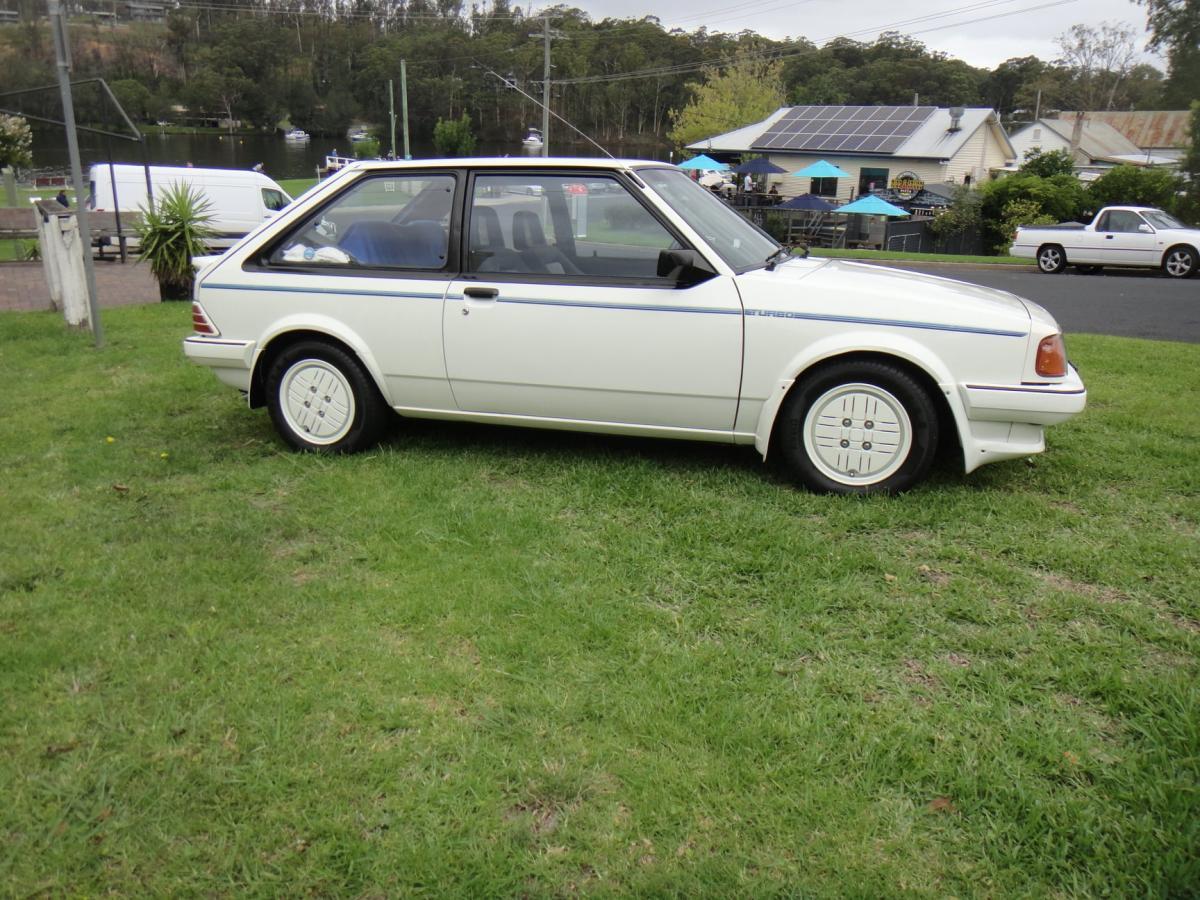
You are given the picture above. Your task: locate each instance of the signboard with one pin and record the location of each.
(907, 185)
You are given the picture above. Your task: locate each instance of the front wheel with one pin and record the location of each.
(1051, 259)
(858, 428)
(321, 399)
(1179, 262)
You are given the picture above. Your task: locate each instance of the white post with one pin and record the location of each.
(76, 297)
(48, 241)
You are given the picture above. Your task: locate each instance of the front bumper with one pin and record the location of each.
(1030, 404)
(230, 360)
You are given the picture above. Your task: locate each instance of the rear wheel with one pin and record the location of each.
(858, 428)
(1051, 259)
(1179, 262)
(321, 399)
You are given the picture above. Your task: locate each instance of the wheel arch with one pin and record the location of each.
(288, 334)
(1182, 245)
(908, 356)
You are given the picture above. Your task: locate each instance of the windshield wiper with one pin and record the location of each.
(773, 260)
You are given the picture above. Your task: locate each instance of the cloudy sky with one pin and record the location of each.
(981, 32)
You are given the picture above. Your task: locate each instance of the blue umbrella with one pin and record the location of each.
(704, 163)
(871, 205)
(806, 201)
(760, 165)
(821, 169)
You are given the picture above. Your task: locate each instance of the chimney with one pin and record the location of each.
(956, 114)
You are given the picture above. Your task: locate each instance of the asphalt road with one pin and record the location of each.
(1129, 303)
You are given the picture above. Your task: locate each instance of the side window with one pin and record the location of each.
(273, 199)
(1122, 221)
(578, 225)
(383, 221)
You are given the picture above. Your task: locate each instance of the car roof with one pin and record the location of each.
(509, 162)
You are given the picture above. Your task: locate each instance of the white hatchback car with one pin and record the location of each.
(618, 297)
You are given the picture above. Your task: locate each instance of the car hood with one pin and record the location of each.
(827, 286)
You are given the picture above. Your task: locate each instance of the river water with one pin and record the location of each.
(280, 158)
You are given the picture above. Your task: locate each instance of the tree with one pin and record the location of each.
(16, 142)
(1099, 59)
(135, 98)
(745, 92)
(1046, 164)
(1058, 198)
(1175, 25)
(1134, 186)
(453, 137)
(1188, 206)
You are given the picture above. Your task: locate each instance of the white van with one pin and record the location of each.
(240, 199)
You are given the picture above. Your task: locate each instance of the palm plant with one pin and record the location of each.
(173, 230)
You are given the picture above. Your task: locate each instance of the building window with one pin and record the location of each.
(871, 180)
(824, 187)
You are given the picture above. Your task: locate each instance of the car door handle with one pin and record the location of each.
(1108, 237)
(482, 293)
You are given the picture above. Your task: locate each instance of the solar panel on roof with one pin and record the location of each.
(847, 129)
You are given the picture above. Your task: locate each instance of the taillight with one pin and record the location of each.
(1051, 357)
(201, 324)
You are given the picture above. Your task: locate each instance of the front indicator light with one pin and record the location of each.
(1051, 357)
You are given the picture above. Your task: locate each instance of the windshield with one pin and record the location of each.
(739, 243)
(1160, 219)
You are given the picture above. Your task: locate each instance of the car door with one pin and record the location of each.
(562, 313)
(372, 267)
(1124, 243)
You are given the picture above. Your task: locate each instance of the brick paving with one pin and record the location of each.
(23, 285)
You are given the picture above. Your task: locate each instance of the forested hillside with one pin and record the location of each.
(321, 64)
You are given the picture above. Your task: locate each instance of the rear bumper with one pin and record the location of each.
(1031, 404)
(230, 360)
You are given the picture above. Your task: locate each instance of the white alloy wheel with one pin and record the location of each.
(1179, 262)
(317, 401)
(857, 434)
(1050, 259)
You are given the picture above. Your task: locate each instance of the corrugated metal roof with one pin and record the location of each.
(1097, 140)
(1146, 129)
(932, 140)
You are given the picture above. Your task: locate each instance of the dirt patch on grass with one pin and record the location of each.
(1098, 592)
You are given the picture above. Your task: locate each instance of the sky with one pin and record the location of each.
(983, 33)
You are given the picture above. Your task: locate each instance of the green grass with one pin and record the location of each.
(483, 661)
(296, 186)
(919, 257)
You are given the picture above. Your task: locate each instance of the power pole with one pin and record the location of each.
(404, 105)
(62, 53)
(545, 37)
(392, 115)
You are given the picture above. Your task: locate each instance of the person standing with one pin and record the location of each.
(747, 183)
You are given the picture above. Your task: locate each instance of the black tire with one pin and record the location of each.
(893, 429)
(1051, 258)
(1089, 270)
(1180, 261)
(322, 400)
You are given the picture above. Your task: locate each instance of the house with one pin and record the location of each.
(1160, 132)
(902, 148)
(1098, 145)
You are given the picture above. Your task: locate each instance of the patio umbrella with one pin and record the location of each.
(810, 202)
(759, 166)
(821, 169)
(704, 163)
(871, 205)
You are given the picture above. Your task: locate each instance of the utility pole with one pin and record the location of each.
(545, 37)
(62, 53)
(404, 106)
(392, 115)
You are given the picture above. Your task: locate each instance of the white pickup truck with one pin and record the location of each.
(1118, 236)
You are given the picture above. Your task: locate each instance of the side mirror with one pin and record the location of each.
(681, 266)
(1145, 229)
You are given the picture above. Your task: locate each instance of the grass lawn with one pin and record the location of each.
(487, 661)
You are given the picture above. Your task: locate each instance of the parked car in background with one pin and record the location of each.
(1138, 236)
(239, 200)
(444, 289)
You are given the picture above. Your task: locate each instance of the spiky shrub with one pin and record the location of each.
(174, 229)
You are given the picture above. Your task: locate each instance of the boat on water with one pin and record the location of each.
(533, 139)
(358, 135)
(297, 135)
